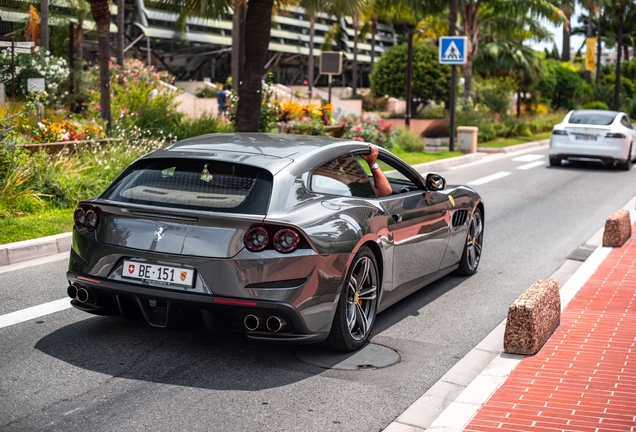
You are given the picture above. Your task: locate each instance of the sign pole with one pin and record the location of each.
(71, 61)
(409, 78)
(12, 68)
(329, 97)
(453, 99)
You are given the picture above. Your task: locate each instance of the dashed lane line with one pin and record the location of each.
(531, 165)
(34, 312)
(489, 178)
(528, 158)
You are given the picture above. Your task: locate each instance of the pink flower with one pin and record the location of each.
(357, 139)
(97, 108)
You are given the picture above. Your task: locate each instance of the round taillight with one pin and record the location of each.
(91, 220)
(79, 216)
(286, 240)
(256, 239)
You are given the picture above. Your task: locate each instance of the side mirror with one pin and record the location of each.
(435, 182)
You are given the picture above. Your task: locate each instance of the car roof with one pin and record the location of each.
(270, 151)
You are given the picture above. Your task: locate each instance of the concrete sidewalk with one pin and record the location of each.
(582, 379)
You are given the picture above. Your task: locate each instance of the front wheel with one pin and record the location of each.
(472, 249)
(357, 306)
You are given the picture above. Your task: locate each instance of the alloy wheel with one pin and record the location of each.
(361, 298)
(474, 241)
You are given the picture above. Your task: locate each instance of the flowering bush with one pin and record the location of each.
(67, 130)
(372, 130)
(39, 64)
(305, 126)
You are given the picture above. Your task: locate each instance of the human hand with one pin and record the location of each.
(372, 156)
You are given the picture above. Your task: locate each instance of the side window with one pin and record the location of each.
(625, 122)
(342, 176)
(398, 180)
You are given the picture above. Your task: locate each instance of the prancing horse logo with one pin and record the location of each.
(159, 234)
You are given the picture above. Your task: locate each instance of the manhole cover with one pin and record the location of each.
(371, 356)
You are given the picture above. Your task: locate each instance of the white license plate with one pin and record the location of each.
(586, 137)
(158, 273)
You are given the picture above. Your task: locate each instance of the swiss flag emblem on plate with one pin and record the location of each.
(131, 268)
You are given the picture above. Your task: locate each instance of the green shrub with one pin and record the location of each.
(596, 105)
(431, 81)
(494, 94)
(562, 86)
(408, 141)
(372, 103)
(432, 111)
(305, 126)
(206, 92)
(204, 124)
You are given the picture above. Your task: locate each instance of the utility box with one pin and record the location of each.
(467, 137)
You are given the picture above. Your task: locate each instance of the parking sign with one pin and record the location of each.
(452, 49)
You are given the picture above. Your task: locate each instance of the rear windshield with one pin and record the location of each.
(195, 184)
(592, 118)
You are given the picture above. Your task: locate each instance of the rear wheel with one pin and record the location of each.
(472, 249)
(357, 306)
(627, 165)
(555, 161)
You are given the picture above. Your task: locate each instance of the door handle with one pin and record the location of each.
(397, 218)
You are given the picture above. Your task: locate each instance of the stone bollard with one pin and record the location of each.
(532, 318)
(618, 228)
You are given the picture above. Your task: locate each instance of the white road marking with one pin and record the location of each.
(489, 178)
(528, 158)
(531, 165)
(34, 312)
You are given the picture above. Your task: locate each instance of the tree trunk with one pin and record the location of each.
(44, 24)
(310, 60)
(259, 20)
(626, 52)
(598, 49)
(80, 37)
(471, 30)
(101, 14)
(588, 74)
(120, 32)
(567, 30)
(374, 31)
(354, 67)
(238, 40)
(619, 44)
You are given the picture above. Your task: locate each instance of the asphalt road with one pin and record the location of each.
(74, 372)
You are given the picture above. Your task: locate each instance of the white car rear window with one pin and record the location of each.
(592, 118)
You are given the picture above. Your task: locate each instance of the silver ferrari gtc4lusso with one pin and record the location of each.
(281, 237)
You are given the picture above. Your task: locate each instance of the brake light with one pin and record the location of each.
(615, 135)
(286, 240)
(559, 132)
(256, 239)
(79, 216)
(91, 220)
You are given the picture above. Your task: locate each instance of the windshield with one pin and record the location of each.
(592, 118)
(195, 184)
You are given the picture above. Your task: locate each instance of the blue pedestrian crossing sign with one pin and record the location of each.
(452, 49)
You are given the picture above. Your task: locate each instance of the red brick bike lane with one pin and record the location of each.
(584, 377)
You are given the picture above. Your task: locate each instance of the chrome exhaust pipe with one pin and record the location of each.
(72, 291)
(82, 295)
(275, 324)
(251, 322)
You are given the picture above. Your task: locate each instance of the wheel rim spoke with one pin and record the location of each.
(361, 321)
(368, 293)
(363, 273)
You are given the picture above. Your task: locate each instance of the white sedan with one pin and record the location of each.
(601, 136)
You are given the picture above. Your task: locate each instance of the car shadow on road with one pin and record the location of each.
(195, 358)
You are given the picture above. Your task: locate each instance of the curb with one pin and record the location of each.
(447, 163)
(513, 148)
(12, 253)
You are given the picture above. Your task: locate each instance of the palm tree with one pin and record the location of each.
(100, 9)
(476, 14)
(120, 32)
(618, 9)
(81, 9)
(567, 8)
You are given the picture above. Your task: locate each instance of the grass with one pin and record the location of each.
(506, 142)
(414, 158)
(45, 223)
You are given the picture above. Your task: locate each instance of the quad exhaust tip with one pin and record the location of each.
(251, 322)
(275, 324)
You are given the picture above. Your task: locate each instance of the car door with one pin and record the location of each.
(418, 226)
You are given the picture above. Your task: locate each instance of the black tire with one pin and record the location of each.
(555, 161)
(472, 249)
(627, 165)
(357, 305)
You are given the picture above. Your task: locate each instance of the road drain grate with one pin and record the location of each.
(582, 253)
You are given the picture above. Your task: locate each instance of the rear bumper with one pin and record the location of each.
(162, 308)
(606, 153)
